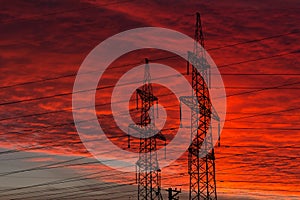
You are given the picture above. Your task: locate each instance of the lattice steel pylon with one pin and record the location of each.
(149, 177)
(201, 169)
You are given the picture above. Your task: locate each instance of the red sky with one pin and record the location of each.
(255, 45)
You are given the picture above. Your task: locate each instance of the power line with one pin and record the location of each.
(261, 114)
(83, 163)
(106, 87)
(259, 74)
(64, 189)
(262, 128)
(65, 180)
(264, 114)
(259, 59)
(84, 157)
(158, 59)
(277, 147)
(72, 123)
(256, 40)
(262, 89)
(245, 88)
(87, 193)
(180, 176)
(50, 112)
(77, 191)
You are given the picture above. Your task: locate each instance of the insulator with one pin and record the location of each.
(128, 139)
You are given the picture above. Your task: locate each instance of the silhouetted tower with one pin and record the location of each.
(201, 170)
(148, 178)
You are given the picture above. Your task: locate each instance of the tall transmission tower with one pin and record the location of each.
(201, 168)
(149, 177)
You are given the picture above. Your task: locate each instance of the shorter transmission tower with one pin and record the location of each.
(149, 177)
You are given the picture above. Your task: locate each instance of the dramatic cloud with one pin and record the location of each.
(43, 45)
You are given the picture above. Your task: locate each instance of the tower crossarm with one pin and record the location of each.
(191, 102)
(148, 130)
(199, 63)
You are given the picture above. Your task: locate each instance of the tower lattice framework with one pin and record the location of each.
(148, 171)
(201, 169)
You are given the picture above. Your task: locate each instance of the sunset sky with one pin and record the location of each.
(255, 45)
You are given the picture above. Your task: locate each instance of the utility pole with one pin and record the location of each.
(149, 173)
(200, 169)
(173, 194)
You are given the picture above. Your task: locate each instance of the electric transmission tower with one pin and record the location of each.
(201, 163)
(149, 177)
